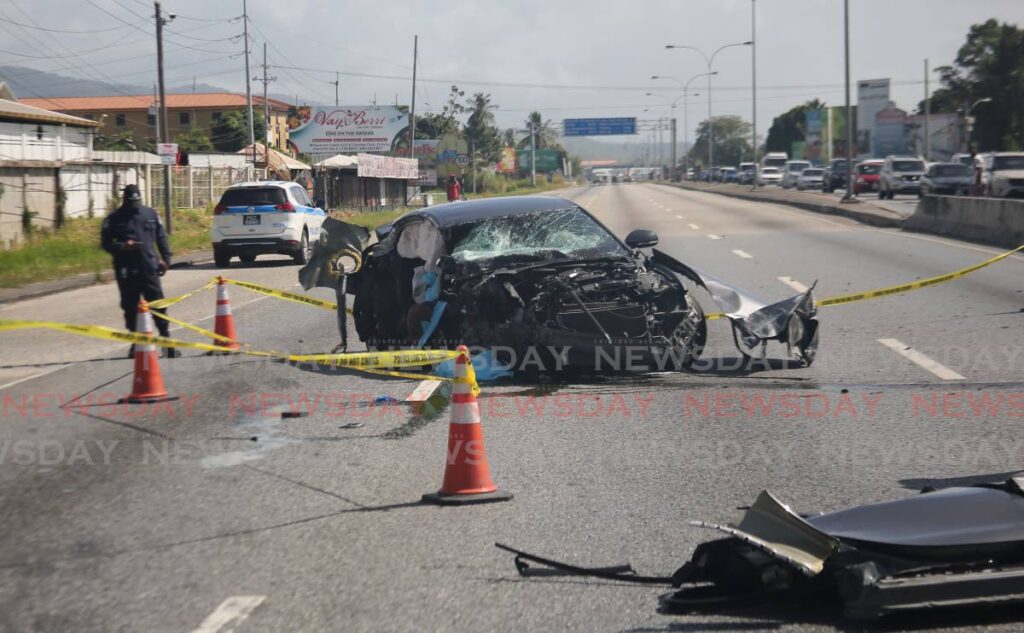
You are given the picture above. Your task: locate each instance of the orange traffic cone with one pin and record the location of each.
(224, 322)
(467, 477)
(147, 383)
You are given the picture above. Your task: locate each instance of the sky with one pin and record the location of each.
(565, 58)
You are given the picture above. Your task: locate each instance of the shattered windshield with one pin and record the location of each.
(564, 233)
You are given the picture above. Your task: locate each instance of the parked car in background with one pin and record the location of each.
(810, 178)
(261, 218)
(865, 175)
(746, 174)
(964, 159)
(1003, 175)
(946, 178)
(900, 174)
(791, 171)
(774, 159)
(769, 176)
(729, 174)
(834, 176)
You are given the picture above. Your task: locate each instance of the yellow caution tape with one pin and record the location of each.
(914, 285)
(163, 303)
(284, 294)
(194, 328)
(378, 360)
(110, 334)
(892, 290)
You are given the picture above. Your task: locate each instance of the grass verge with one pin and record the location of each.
(75, 248)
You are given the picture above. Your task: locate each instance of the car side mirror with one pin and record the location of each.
(641, 238)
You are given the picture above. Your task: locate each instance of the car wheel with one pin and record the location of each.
(247, 259)
(881, 194)
(302, 256)
(221, 257)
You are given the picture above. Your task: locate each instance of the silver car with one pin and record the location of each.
(810, 178)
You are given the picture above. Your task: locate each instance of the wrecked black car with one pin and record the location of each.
(537, 279)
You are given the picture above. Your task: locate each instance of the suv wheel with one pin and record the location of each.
(221, 257)
(302, 256)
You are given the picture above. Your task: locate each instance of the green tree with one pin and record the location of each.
(786, 128)
(731, 138)
(544, 131)
(990, 65)
(438, 124)
(122, 142)
(508, 137)
(194, 140)
(481, 129)
(231, 132)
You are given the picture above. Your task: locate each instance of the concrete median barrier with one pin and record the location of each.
(863, 212)
(995, 221)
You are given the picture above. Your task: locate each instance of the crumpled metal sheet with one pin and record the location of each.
(775, 529)
(336, 238)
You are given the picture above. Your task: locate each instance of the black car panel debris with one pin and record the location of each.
(538, 277)
(954, 547)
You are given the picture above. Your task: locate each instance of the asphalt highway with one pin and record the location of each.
(214, 512)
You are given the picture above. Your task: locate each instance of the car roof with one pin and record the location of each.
(455, 213)
(263, 183)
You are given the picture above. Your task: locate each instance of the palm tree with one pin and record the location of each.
(544, 130)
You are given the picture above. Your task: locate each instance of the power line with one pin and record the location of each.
(51, 30)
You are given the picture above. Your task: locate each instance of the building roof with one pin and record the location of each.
(277, 160)
(21, 112)
(341, 161)
(184, 101)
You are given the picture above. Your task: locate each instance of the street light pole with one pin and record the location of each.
(710, 60)
(753, 88)
(849, 196)
(686, 128)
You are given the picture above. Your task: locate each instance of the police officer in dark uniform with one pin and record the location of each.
(135, 238)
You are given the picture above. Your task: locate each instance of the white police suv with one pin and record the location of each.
(259, 218)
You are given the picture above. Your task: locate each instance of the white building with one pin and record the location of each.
(49, 170)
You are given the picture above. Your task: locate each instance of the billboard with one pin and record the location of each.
(452, 156)
(890, 135)
(373, 166)
(548, 160)
(426, 154)
(507, 164)
(813, 149)
(872, 97)
(599, 127)
(331, 130)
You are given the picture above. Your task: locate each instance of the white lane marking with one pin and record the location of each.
(920, 359)
(793, 283)
(679, 217)
(743, 254)
(39, 375)
(694, 226)
(714, 237)
(234, 609)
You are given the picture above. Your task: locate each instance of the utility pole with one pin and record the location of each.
(672, 170)
(848, 197)
(533, 155)
(163, 131)
(927, 115)
(266, 103)
(248, 86)
(337, 82)
(412, 108)
(472, 163)
(753, 87)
